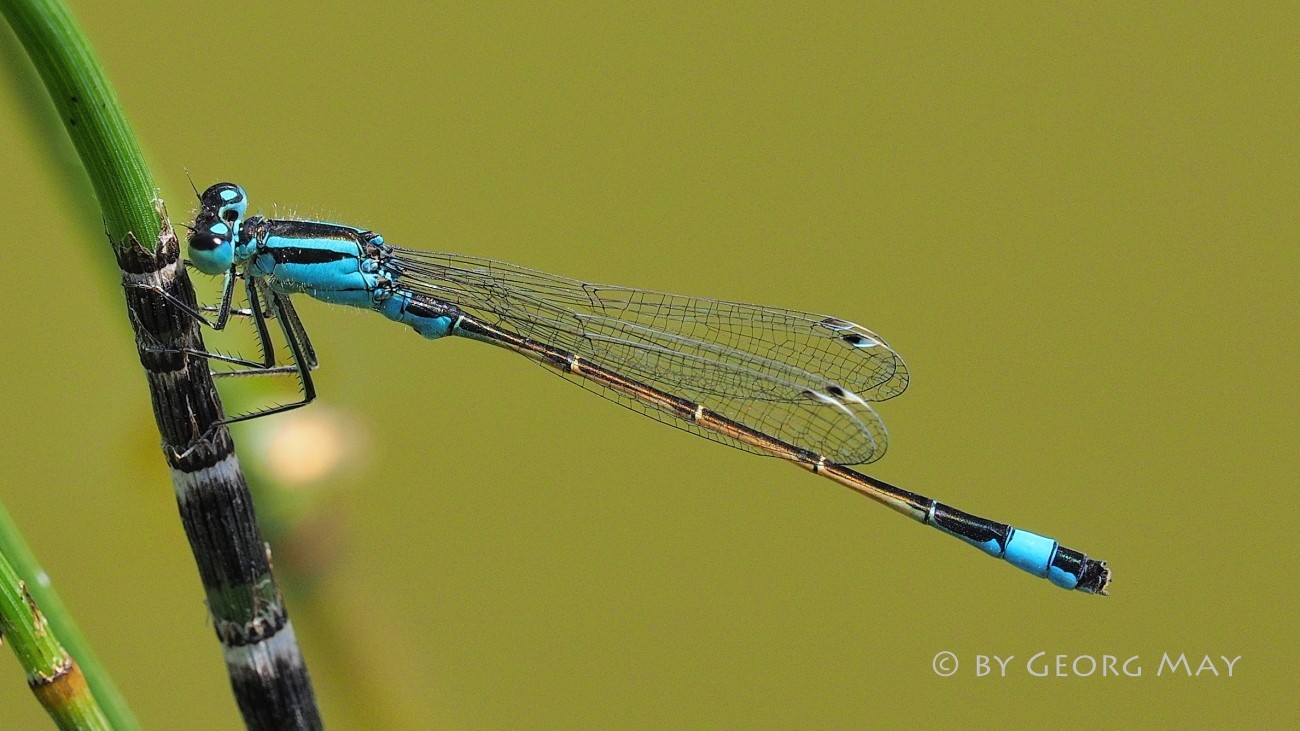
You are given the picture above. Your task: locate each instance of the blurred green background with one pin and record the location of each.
(1077, 226)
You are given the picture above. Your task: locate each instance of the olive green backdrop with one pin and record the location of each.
(1078, 227)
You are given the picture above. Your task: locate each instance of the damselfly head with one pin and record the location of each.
(226, 200)
(212, 238)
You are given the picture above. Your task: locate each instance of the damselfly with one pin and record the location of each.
(773, 382)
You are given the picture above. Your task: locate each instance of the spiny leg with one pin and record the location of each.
(300, 349)
(289, 319)
(224, 311)
(276, 307)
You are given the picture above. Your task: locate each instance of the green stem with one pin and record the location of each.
(52, 674)
(19, 555)
(264, 663)
(92, 115)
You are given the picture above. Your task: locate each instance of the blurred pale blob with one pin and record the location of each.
(308, 446)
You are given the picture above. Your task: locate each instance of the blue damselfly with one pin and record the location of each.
(770, 381)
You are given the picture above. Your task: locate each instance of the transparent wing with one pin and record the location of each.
(803, 378)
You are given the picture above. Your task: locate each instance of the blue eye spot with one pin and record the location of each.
(229, 195)
(219, 229)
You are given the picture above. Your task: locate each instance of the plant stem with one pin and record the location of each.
(20, 557)
(266, 668)
(52, 674)
(91, 114)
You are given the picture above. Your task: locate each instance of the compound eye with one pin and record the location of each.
(202, 240)
(222, 194)
(224, 201)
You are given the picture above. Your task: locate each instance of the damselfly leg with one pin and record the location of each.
(263, 304)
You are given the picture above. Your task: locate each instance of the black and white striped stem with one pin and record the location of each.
(266, 667)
